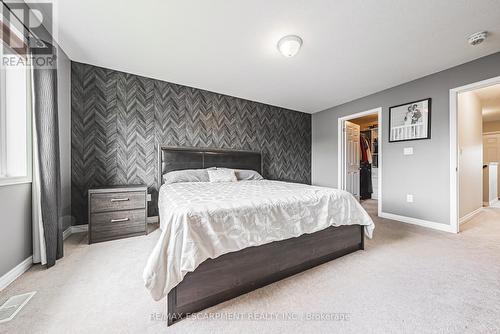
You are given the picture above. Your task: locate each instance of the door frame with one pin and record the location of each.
(454, 182)
(341, 150)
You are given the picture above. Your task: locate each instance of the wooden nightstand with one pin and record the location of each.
(117, 212)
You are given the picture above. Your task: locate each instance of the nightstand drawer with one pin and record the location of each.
(117, 201)
(114, 225)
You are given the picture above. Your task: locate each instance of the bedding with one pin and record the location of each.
(222, 175)
(201, 220)
(187, 175)
(246, 174)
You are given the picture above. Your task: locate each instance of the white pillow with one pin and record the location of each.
(187, 175)
(222, 175)
(245, 174)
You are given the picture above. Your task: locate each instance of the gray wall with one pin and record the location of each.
(15, 225)
(424, 174)
(119, 119)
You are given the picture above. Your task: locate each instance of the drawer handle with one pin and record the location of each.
(119, 199)
(119, 220)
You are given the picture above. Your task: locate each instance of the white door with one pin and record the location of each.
(491, 150)
(351, 140)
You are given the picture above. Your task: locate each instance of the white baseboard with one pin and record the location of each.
(153, 220)
(490, 203)
(79, 228)
(15, 272)
(419, 222)
(67, 233)
(469, 216)
(22, 267)
(75, 229)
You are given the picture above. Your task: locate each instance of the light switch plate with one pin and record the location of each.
(408, 151)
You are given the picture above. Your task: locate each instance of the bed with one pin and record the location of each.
(221, 240)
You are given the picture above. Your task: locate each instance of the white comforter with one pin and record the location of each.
(202, 220)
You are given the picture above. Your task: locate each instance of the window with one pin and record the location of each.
(15, 121)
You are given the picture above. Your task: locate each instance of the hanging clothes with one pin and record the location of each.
(365, 181)
(375, 153)
(366, 153)
(365, 171)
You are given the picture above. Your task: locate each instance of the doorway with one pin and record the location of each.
(360, 159)
(475, 149)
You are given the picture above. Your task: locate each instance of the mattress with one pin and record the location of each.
(201, 220)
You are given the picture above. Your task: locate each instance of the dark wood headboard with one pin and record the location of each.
(179, 158)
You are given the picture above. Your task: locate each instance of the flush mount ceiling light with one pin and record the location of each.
(289, 45)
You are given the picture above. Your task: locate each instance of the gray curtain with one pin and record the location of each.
(44, 81)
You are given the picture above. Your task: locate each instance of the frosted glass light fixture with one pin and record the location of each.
(289, 45)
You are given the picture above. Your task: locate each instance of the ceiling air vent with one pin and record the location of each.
(13, 305)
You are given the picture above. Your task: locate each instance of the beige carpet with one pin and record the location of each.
(408, 280)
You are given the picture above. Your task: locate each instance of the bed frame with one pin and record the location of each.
(233, 274)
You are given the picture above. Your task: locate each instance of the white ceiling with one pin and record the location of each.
(490, 102)
(351, 48)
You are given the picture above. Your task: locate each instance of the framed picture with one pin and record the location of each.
(410, 121)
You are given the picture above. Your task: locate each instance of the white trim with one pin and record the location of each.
(75, 229)
(340, 154)
(67, 232)
(490, 203)
(470, 215)
(153, 219)
(340, 150)
(491, 133)
(454, 184)
(11, 181)
(15, 272)
(79, 228)
(3, 109)
(380, 157)
(29, 125)
(419, 222)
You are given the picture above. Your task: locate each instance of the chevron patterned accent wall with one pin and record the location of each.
(119, 119)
